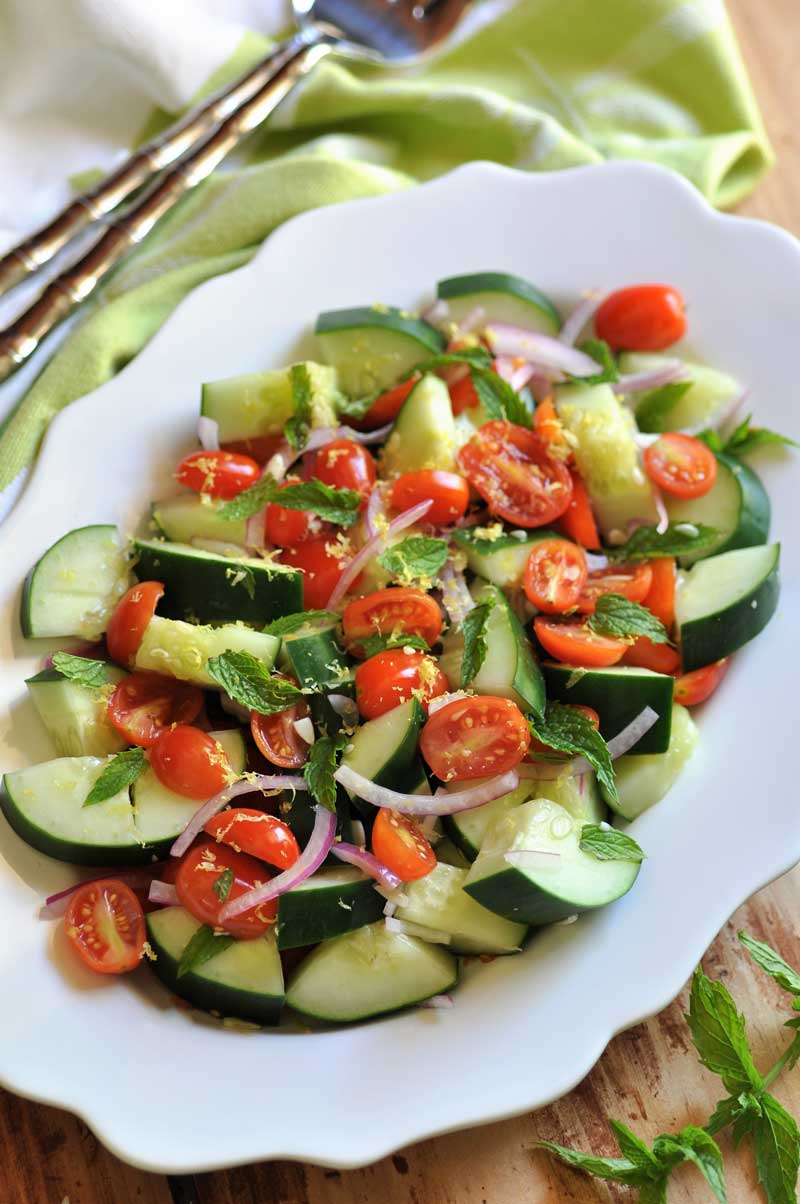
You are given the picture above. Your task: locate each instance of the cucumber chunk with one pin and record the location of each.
(502, 297)
(724, 602)
(737, 505)
(548, 888)
(424, 434)
(244, 981)
(710, 394)
(439, 901)
(189, 517)
(643, 781)
(618, 694)
(330, 902)
(73, 588)
(314, 658)
(385, 749)
(259, 404)
(503, 558)
(209, 588)
(369, 972)
(182, 650)
(373, 347)
(44, 805)
(76, 717)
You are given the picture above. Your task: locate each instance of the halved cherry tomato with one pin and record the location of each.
(145, 704)
(447, 490)
(660, 658)
(660, 598)
(218, 473)
(646, 317)
(548, 427)
(190, 762)
(698, 685)
(400, 609)
(555, 575)
(392, 677)
(277, 738)
(105, 926)
(463, 395)
(387, 406)
(510, 468)
(257, 833)
(572, 641)
(260, 448)
(538, 746)
(398, 842)
(198, 875)
(287, 528)
(681, 465)
(129, 620)
(322, 567)
(578, 519)
(345, 464)
(474, 737)
(633, 581)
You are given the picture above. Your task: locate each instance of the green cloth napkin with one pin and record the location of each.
(546, 84)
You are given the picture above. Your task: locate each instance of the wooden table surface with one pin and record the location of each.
(649, 1077)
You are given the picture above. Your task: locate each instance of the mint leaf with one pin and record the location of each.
(476, 357)
(81, 670)
(679, 538)
(338, 506)
(747, 438)
(247, 681)
(417, 558)
(567, 730)
(617, 616)
(777, 1147)
(318, 771)
(298, 426)
(498, 398)
(357, 407)
(288, 624)
(618, 1170)
(607, 844)
(656, 405)
(374, 644)
(473, 628)
(201, 948)
(633, 1148)
(719, 1037)
(223, 884)
(117, 775)
(693, 1144)
(601, 353)
(766, 957)
(250, 501)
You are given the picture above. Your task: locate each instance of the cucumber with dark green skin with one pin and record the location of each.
(724, 602)
(244, 980)
(313, 657)
(75, 585)
(330, 902)
(373, 347)
(503, 560)
(618, 694)
(737, 506)
(385, 749)
(76, 716)
(503, 297)
(217, 589)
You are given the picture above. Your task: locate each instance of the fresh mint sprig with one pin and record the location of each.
(247, 681)
(120, 772)
(474, 628)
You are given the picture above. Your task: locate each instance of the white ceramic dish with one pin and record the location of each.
(171, 1091)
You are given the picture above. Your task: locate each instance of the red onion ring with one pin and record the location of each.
(371, 547)
(540, 349)
(138, 876)
(631, 734)
(640, 382)
(472, 320)
(440, 803)
(579, 316)
(164, 893)
(352, 855)
(456, 598)
(265, 782)
(208, 433)
(374, 508)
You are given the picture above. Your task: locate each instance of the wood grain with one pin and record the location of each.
(648, 1077)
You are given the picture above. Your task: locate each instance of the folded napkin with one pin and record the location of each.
(537, 84)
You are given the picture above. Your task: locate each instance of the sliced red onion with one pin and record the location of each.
(370, 865)
(440, 803)
(265, 782)
(345, 706)
(640, 382)
(429, 829)
(254, 530)
(533, 859)
(642, 440)
(539, 349)
(305, 729)
(208, 433)
(437, 311)
(358, 833)
(319, 845)
(373, 510)
(505, 366)
(661, 509)
(372, 547)
(436, 936)
(473, 320)
(438, 1002)
(139, 876)
(595, 561)
(579, 316)
(521, 376)
(541, 386)
(632, 733)
(456, 598)
(163, 892)
(443, 700)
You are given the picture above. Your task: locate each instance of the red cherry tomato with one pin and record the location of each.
(633, 581)
(463, 395)
(538, 746)
(510, 468)
(399, 609)
(681, 465)
(256, 833)
(700, 684)
(190, 762)
(199, 873)
(578, 519)
(646, 317)
(447, 490)
(277, 738)
(220, 474)
(105, 926)
(392, 677)
(573, 642)
(129, 620)
(475, 737)
(387, 406)
(555, 575)
(659, 658)
(287, 528)
(398, 842)
(145, 704)
(260, 448)
(322, 567)
(345, 464)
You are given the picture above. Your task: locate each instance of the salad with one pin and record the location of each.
(378, 688)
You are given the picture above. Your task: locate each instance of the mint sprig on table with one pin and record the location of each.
(298, 426)
(720, 1038)
(119, 773)
(476, 645)
(339, 506)
(247, 681)
(564, 729)
(679, 539)
(80, 669)
(615, 615)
